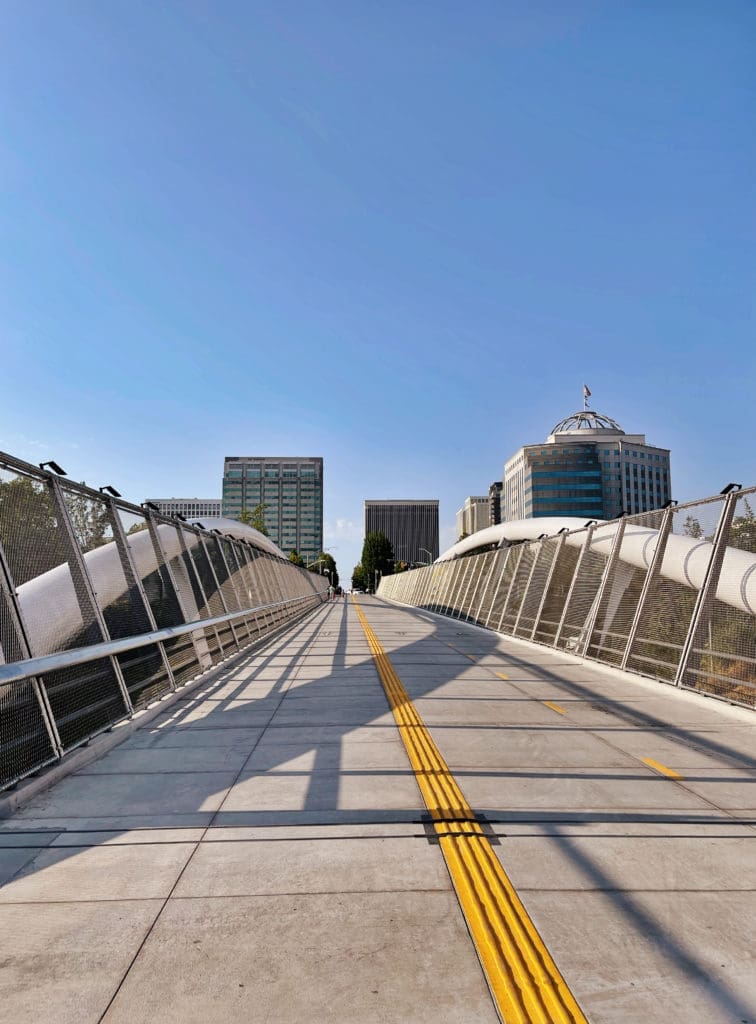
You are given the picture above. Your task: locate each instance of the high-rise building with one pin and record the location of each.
(473, 515)
(410, 525)
(290, 489)
(191, 508)
(494, 502)
(587, 466)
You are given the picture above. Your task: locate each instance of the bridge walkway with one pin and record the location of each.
(266, 849)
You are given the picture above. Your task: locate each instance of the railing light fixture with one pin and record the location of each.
(54, 467)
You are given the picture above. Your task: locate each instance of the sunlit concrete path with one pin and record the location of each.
(261, 851)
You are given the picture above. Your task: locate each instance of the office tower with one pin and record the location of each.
(190, 508)
(494, 502)
(290, 489)
(473, 515)
(587, 467)
(410, 525)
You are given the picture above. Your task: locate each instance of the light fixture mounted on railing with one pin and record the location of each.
(150, 505)
(731, 487)
(110, 490)
(54, 467)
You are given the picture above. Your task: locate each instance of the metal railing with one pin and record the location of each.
(105, 607)
(668, 594)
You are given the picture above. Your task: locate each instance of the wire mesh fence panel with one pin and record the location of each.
(45, 577)
(490, 586)
(245, 629)
(118, 597)
(668, 609)
(430, 598)
(590, 572)
(459, 587)
(472, 582)
(558, 591)
(425, 588)
(456, 568)
(465, 583)
(222, 590)
(188, 592)
(623, 588)
(253, 586)
(723, 655)
(209, 600)
(160, 593)
(510, 560)
(544, 552)
(528, 555)
(482, 570)
(24, 740)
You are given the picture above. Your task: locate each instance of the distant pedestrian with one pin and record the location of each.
(331, 592)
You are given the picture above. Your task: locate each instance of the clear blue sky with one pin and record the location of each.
(399, 235)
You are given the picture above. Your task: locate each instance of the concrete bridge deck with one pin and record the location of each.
(262, 850)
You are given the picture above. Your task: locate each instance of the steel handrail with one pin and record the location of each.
(16, 671)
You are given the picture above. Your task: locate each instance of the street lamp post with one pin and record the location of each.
(430, 556)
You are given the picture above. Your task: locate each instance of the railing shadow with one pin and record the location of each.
(347, 688)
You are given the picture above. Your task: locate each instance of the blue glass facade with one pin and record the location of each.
(565, 481)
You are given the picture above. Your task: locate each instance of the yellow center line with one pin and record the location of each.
(555, 707)
(524, 980)
(501, 675)
(662, 768)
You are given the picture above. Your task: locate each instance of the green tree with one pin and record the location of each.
(377, 555)
(28, 528)
(296, 558)
(359, 579)
(325, 565)
(462, 536)
(255, 518)
(90, 520)
(692, 527)
(743, 529)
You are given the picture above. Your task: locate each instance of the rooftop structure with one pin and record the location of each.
(587, 466)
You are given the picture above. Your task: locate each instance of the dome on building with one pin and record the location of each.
(587, 420)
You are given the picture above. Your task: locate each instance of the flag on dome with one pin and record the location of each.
(586, 391)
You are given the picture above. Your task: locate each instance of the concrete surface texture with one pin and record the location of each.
(260, 851)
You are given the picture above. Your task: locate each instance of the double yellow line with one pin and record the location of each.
(524, 980)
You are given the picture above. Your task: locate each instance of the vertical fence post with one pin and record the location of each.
(652, 575)
(19, 627)
(575, 576)
(611, 562)
(85, 593)
(707, 594)
(133, 579)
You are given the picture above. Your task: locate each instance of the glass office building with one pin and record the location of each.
(410, 524)
(290, 488)
(587, 466)
(190, 508)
